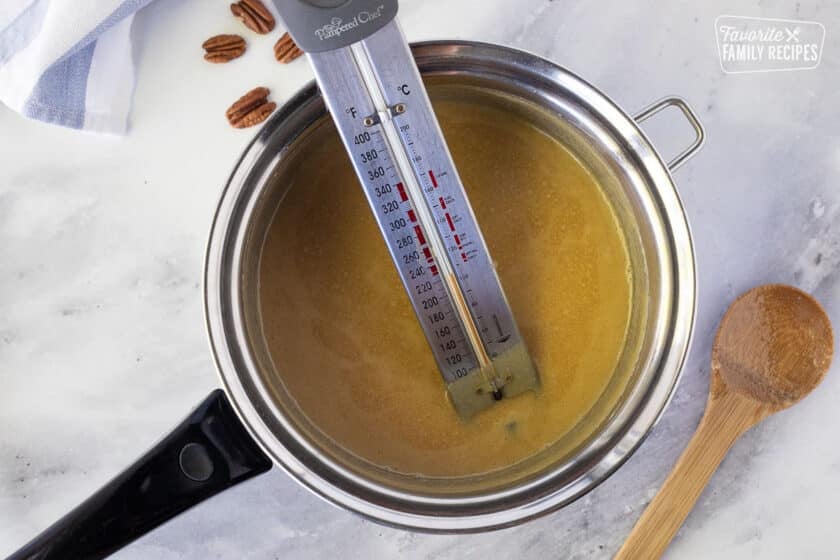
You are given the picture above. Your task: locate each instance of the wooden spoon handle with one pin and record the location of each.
(726, 418)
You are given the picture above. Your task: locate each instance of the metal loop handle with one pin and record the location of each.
(690, 116)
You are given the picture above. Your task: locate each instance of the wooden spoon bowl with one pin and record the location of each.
(774, 346)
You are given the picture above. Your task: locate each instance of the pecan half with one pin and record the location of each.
(285, 49)
(223, 48)
(254, 15)
(256, 116)
(250, 109)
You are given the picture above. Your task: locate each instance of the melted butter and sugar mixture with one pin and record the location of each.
(344, 338)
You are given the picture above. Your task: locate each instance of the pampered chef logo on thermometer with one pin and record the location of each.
(752, 44)
(337, 26)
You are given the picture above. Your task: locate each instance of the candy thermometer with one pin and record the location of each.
(372, 88)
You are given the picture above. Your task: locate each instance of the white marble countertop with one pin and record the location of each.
(102, 344)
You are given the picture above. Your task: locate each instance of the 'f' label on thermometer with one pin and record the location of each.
(378, 101)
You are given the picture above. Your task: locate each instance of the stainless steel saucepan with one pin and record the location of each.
(253, 423)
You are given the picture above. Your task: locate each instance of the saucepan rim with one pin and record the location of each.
(340, 486)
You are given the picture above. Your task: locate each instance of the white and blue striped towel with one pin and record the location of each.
(69, 62)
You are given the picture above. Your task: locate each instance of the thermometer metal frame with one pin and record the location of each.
(385, 119)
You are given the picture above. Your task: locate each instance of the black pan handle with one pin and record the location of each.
(208, 452)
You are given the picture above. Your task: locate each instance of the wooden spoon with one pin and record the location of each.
(773, 346)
